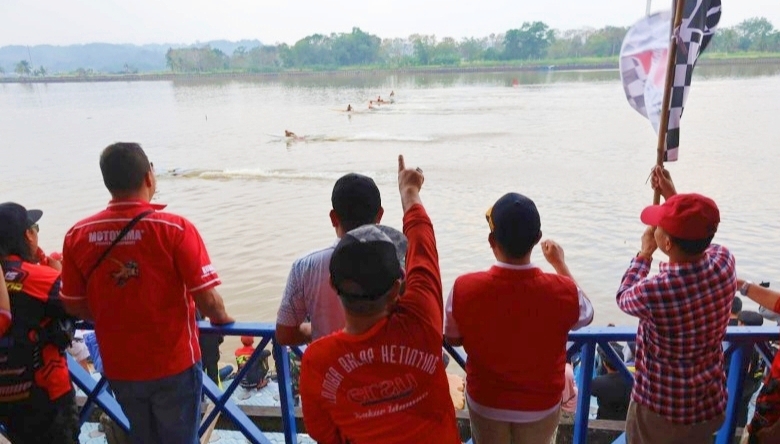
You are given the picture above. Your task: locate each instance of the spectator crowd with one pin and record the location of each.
(370, 308)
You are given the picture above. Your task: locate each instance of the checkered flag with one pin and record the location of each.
(644, 58)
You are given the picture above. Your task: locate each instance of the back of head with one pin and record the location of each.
(365, 265)
(124, 167)
(736, 305)
(247, 341)
(355, 200)
(15, 220)
(515, 224)
(751, 318)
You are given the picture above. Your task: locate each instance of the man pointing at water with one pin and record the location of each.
(392, 339)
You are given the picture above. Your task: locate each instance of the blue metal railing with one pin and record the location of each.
(741, 341)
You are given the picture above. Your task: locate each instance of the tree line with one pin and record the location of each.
(532, 41)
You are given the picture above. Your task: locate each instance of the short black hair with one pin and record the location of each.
(692, 247)
(364, 306)
(519, 247)
(356, 200)
(16, 246)
(736, 305)
(124, 166)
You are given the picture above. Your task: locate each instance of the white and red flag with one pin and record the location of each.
(644, 59)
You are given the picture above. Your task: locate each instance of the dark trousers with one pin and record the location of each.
(41, 421)
(166, 410)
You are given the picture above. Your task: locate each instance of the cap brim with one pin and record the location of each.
(34, 215)
(652, 215)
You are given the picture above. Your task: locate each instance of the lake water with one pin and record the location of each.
(568, 140)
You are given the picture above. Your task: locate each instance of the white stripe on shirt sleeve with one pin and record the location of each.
(450, 326)
(586, 311)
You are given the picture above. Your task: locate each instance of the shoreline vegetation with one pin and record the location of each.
(572, 64)
(533, 46)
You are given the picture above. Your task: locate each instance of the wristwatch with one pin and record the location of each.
(743, 290)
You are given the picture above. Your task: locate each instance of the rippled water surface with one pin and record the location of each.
(568, 140)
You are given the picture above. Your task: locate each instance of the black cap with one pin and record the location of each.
(356, 198)
(15, 220)
(372, 257)
(751, 318)
(514, 218)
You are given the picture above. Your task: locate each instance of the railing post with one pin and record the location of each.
(587, 359)
(282, 359)
(737, 367)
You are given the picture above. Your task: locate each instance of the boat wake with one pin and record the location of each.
(368, 137)
(251, 174)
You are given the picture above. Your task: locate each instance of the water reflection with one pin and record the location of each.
(379, 79)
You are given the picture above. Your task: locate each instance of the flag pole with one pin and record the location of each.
(679, 6)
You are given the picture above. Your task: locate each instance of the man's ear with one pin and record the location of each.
(28, 235)
(379, 215)
(395, 293)
(334, 219)
(538, 237)
(492, 240)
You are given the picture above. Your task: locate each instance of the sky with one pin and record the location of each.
(64, 22)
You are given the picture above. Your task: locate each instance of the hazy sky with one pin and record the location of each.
(62, 22)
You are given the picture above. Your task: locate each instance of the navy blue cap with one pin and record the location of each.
(513, 218)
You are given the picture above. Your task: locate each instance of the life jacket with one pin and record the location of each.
(32, 329)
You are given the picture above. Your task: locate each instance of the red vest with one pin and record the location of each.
(514, 325)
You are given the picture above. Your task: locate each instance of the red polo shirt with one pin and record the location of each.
(139, 296)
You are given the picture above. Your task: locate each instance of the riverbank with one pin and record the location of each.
(609, 63)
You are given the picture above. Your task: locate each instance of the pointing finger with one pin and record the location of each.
(401, 163)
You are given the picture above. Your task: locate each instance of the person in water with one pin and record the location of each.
(349, 107)
(289, 134)
(392, 93)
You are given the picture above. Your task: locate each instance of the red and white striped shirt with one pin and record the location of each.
(683, 312)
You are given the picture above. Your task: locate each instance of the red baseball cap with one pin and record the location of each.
(684, 216)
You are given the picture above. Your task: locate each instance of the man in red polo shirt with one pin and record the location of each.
(139, 290)
(515, 304)
(381, 379)
(679, 393)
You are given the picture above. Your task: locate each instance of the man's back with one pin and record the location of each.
(144, 316)
(683, 311)
(387, 384)
(527, 308)
(308, 295)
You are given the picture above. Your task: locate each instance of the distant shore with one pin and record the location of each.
(548, 65)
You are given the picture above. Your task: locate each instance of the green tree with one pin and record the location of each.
(604, 42)
(472, 49)
(530, 41)
(446, 52)
(424, 46)
(355, 48)
(755, 34)
(23, 68)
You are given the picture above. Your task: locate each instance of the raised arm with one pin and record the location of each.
(423, 279)
(554, 255)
